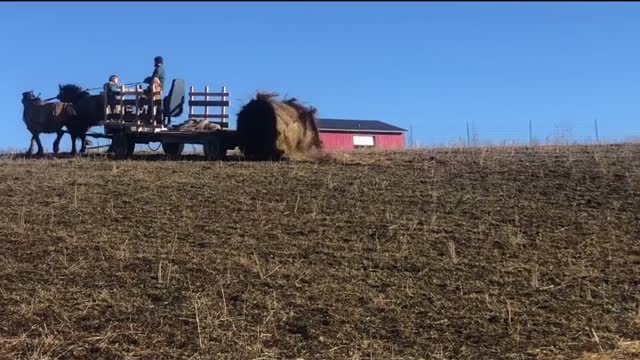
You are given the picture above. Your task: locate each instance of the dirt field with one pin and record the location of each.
(503, 253)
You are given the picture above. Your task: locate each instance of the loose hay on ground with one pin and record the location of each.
(626, 350)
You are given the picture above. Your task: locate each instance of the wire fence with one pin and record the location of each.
(524, 133)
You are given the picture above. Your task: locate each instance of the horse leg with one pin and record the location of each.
(83, 148)
(73, 144)
(31, 142)
(56, 142)
(40, 148)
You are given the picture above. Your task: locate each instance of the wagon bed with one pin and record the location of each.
(135, 119)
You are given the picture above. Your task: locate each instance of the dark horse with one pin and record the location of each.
(89, 109)
(43, 117)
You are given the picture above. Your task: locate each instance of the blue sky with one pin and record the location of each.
(427, 66)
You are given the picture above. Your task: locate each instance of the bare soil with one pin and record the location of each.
(487, 253)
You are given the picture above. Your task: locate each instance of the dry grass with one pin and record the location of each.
(626, 350)
(495, 253)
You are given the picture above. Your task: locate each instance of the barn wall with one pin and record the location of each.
(343, 141)
(336, 141)
(390, 142)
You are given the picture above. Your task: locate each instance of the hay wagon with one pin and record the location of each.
(138, 116)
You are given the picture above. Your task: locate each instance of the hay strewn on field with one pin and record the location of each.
(626, 350)
(457, 254)
(269, 130)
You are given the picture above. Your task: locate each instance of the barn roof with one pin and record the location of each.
(357, 125)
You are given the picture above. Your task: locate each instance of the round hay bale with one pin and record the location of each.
(270, 129)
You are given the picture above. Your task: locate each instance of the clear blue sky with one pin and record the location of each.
(429, 66)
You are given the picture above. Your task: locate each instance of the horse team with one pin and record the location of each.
(77, 111)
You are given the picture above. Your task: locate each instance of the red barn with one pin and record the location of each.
(341, 135)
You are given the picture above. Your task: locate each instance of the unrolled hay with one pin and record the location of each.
(270, 129)
(199, 125)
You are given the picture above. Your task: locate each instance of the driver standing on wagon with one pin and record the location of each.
(158, 72)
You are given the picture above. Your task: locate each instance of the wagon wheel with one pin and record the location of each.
(214, 150)
(173, 149)
(122, 145)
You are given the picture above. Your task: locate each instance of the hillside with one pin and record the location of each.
(494, 253)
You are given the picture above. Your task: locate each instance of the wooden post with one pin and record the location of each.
(191, 91)
(139, 92)
(121, 112)
(206, 98)
(223, 109)
(138, 89)
(106, 103)
(152, 105)
(595, 125)
(161, 107)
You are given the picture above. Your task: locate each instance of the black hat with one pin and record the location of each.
(158, 60)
